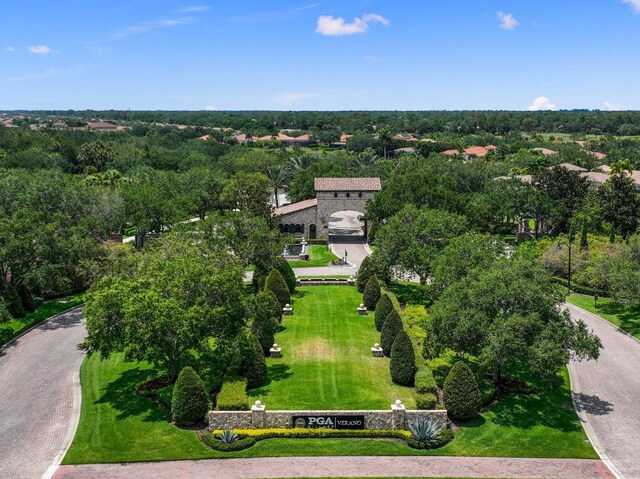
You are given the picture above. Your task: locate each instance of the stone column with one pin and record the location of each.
(258, 415)
(398, 416)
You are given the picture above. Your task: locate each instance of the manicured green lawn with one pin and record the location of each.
(624, 317)
(327, 361)
(319, 255)
(16, 326)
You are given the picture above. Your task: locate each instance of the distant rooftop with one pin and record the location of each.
(299, 206)
(348, 184)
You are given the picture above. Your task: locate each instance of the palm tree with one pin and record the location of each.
(279, 177)
(366, 159)
(301, 161)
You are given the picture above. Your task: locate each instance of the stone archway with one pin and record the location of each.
(346, 223)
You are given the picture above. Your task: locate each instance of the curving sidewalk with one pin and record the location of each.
(606, 394)
(40, 396)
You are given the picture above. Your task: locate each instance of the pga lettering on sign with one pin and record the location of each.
(331, 422)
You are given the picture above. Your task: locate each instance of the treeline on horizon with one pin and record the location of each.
(596, 122)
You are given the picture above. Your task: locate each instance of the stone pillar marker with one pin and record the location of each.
(398, 415)
(287, 310)
(362, 311)
(351, 281)
(275, 351)
(258, 415)
(376, 350)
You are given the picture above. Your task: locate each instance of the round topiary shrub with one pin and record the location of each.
(392, 326)
(403, 360)
(287, 273)
(276, 283)
(190, 403)
(383, 307)
(265, 315)
(276, 303)
(461, 393)
(365, 272)
(371, 293)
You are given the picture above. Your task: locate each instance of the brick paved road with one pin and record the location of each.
(607, 395)
(478, 467)
(37, 376)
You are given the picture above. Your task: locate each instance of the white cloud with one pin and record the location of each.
(211, 108)
(149, 26)
(196, 8)
(608, 106)
(9, 49)
(39, 49)
(635, 4)
(542, 103)
(333, 27)
(294, 96)
(507, 21)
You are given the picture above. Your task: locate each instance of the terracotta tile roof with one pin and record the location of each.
(596, 176)
(101, 125)
(604, 168)
(571, 167)
(450, 152)
(299, 206)
(345, 137)
(597, 154)
(347, 184)
(491, 147)
(428, 140)
(546, 151)
(476, 150)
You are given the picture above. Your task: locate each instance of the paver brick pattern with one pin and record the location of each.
(37, 373)
(609, 395)
(285, 467)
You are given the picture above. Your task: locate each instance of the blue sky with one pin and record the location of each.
(324, 55)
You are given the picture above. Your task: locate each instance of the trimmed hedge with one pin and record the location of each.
(579, 288)
(403, 360)
(461, 393)
(233, 396)
(384, 306)
(392, 326)
(217, 445)
(425, 382)
(287, 273)
(304, 433)
(189, 403)
(371, 293)
(426, 401)
(365, 272)
(276, 283)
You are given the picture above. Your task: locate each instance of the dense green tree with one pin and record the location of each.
(461, 393)
(96, 154)
(372, 293)
(508, 316)
(250, 359)
(167, 308)
(392, 326)
(265, 312)
(620, 203)
(412, 239)
(287, 272)
(403, 360)
(566, 190)
(365, 272)
(189, 403)
(384, 306)
(277, 285)
(249, 192)
(279, 178)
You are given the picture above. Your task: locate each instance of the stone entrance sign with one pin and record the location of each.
(332, 422)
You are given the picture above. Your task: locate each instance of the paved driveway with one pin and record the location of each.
(39, 389)
(607, 395)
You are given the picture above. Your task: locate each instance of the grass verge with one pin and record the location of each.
(13, 328)
(319, 255)
(625, 317)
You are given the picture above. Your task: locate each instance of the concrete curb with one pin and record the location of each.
(31, 328)
(600, 318)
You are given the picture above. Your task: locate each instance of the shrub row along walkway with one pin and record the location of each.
(477, 467)
(39, 395)
(607, 394)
